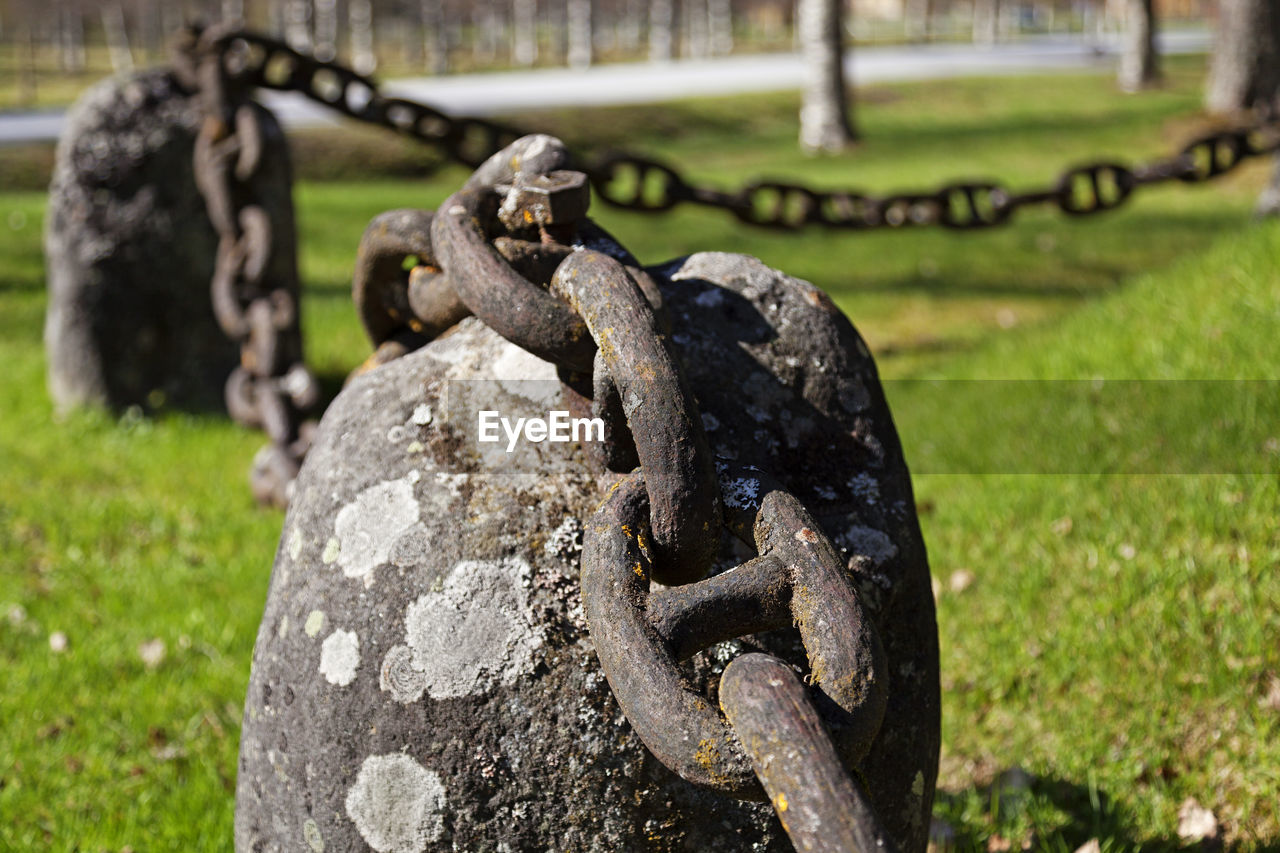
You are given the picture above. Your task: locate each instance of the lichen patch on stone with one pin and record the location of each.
(477, 631)
(368, 527)
(396, 804)
(295, 543)
(340, 657)
(311, 834)
(400, 676)
(315, 621)
(740, 492)
(866, 544)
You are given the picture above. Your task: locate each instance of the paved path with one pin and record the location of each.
(487, 94)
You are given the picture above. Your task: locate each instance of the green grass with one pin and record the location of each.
(1119, 635)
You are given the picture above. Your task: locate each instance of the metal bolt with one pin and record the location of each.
(543, 201)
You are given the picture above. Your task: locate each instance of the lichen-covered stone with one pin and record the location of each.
(130, 250)
(461, 706)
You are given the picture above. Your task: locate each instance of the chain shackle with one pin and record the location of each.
(390, 298)
(511, 305)
(1094, 188)
(637, 183)
(969, 205)
(1213, 155)
(641, 634)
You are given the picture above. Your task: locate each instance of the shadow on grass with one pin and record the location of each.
(1019, 811)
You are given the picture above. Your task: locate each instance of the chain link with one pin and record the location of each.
(253, 291)
(632, 182)
(503, 250)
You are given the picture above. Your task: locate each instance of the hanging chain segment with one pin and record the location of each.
(254, 291)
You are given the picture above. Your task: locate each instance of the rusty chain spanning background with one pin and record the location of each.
(633, 182)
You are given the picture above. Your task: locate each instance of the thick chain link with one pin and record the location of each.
(633, 182)
(254, 296)
(515, 248)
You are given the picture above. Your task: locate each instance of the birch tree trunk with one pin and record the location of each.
(1244, 73)
(524, 32)
(1245, 70)
(71, 37)
(297, 25)
(918, 15)
(117, 38)
(985, 15)
(661, 15)
(360, 19)
(694, 28)
(326, 29)
(720, 22)
(435, 42)
(824, 116)
(1139, 62)
(630, 25)
(578, 13)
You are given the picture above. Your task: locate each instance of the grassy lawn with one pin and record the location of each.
(1115, 636)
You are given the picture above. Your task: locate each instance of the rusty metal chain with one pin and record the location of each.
(633, 182)
(516, 248)
(254, 291)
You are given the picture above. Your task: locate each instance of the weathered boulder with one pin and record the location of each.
(424, 678)
(130, 250)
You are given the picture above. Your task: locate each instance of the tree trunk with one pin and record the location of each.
(824, 116)
(435, 44)
(1245, 70)
(326, 29)
(720, 21)
(661, 13)
(297, 25)
(985, 15)
(578, 13)
(918, 15)
(694, 27)
(71, 38)
(117, 38)
(360, 19)
(630, 25)
(524, 32)
(1139, 62)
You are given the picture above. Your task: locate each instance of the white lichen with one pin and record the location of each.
(315, 621)
(477, 631)
(396, 804)
(368, 527)
(867, 546)
(740, 492)
(295, 543)
(865, 487)
(400, 676)
(565, 542)
(340, 657)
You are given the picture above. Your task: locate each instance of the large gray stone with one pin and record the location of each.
(423, 677)
(130, 250)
